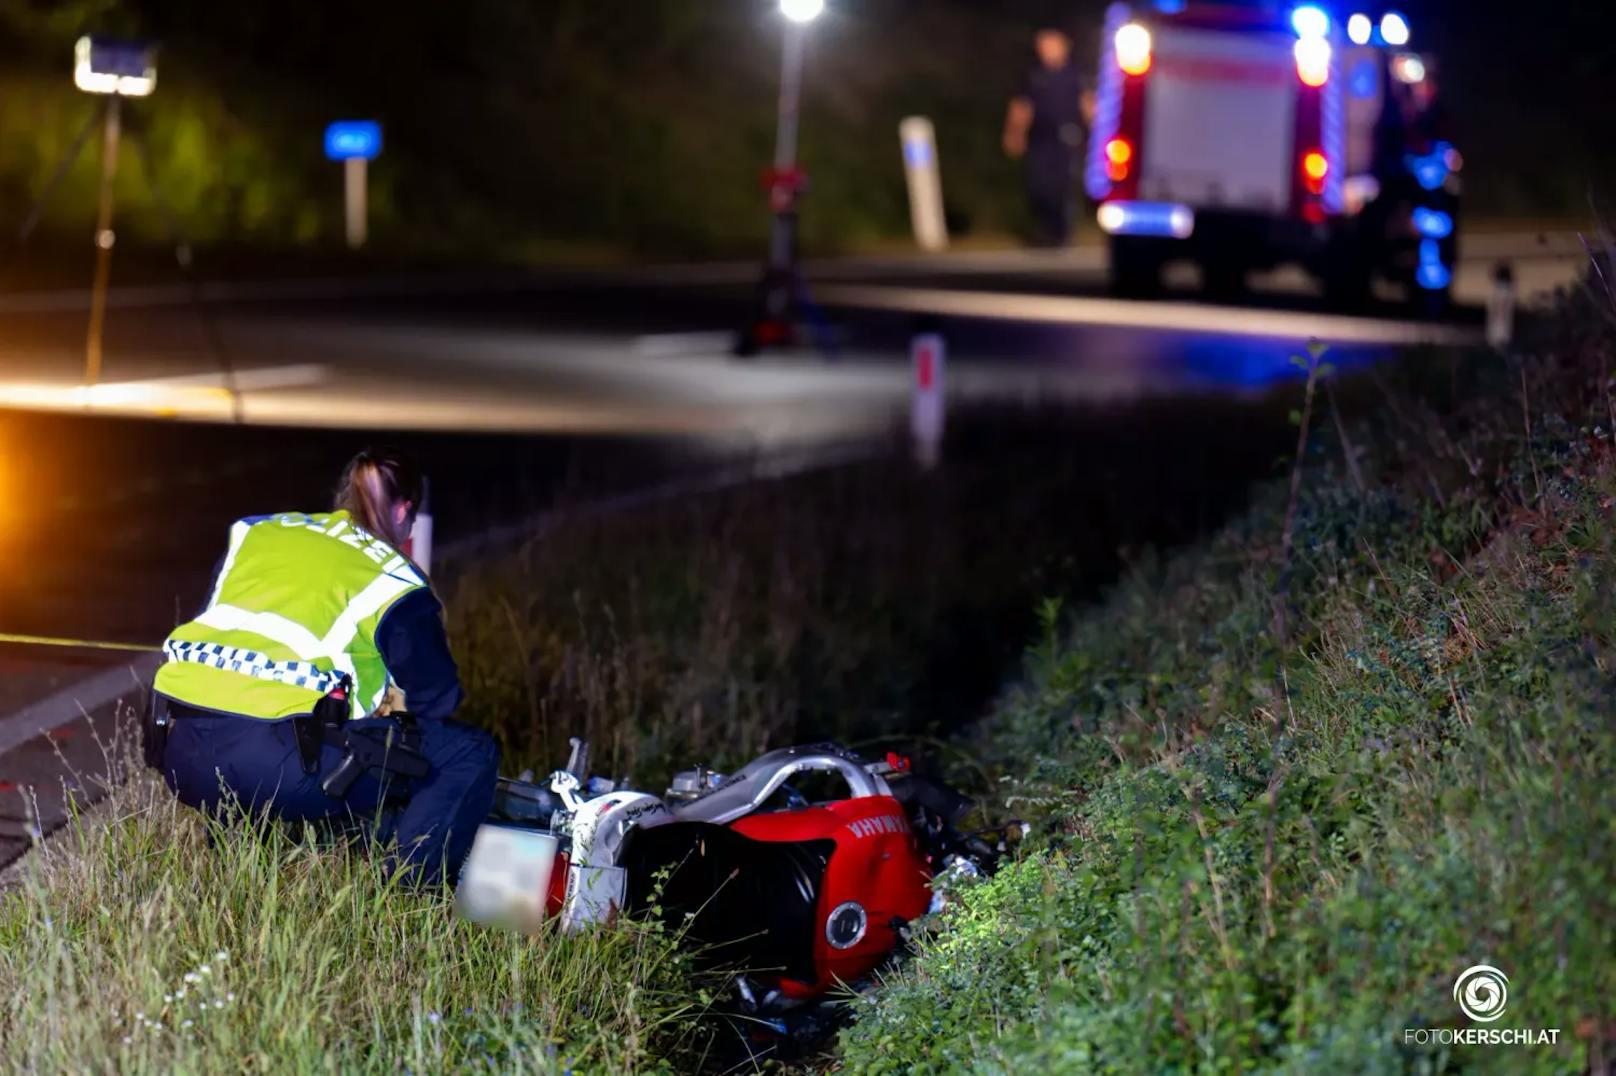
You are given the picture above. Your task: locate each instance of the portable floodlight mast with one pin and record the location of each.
(112, 69)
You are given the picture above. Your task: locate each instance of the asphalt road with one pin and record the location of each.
(517, 385)
(645, 351)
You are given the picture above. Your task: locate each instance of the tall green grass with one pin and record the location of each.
(867, 602)
(147, 939)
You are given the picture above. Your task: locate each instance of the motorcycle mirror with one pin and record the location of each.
(578, 759)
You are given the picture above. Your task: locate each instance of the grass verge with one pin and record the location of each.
(146, 939)
(1273, 857)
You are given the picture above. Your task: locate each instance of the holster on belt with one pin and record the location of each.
(154, 730)
(313, 730)
(387, 751)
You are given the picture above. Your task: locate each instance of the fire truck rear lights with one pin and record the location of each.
(1163, 219)
(1313, 61)
(1133, 49)
(1359, 29)
(1394, 29)
(1309, 20)
(1118, 155)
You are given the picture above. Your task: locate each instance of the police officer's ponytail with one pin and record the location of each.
(373, 483)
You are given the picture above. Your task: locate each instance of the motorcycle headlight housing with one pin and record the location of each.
(846, 925)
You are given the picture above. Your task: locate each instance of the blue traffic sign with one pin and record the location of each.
(353, 138)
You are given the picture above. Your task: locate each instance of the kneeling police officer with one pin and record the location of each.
(271, 696)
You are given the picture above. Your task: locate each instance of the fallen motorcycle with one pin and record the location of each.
(794, 896)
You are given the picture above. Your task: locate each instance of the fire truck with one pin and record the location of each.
(1241, 138)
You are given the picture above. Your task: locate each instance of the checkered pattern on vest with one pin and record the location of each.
(251, 663)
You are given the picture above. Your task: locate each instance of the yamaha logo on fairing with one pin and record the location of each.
(881, 823)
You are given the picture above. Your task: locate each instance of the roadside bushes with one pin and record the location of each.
(1281, 858)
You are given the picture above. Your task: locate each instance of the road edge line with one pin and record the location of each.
(75, 700)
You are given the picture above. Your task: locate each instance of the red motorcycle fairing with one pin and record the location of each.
(876, 880)
(801, 899)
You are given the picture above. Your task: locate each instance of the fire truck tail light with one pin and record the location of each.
(1313, 61)
(1315, 166)
(1133, 49)
(1118, 155)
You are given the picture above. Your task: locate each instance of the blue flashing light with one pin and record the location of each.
(1432, 223)
(1170, 7)
(1432, 275)
(346, 139)
(1310, 20)
(1430, 170)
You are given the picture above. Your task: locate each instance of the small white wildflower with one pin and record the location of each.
(192, 977)
(168, 997)
(230, 997)
(186, 1023)
(218, 1004)
(221, 956)
(434, 1017)
(126, 1040)
(140, 1016)
(205, 970)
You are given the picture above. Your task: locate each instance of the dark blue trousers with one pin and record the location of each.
(214, 759)
(1051, 189)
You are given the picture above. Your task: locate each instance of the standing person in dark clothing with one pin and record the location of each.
(1046, 124)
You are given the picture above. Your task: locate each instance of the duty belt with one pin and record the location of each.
(251, 663)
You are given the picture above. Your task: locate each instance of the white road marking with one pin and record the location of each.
(72, 702)
(1142, 314)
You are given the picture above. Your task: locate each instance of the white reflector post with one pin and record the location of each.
(1501, 308)
(421, 541)
(919, 140)
(927, 353)
(354, 182)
